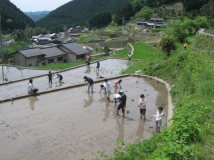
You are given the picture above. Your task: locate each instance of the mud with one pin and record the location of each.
(107, 68)
(72, 124)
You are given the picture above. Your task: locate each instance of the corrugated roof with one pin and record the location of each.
(31, 52)
(76, 48)
(52, 52)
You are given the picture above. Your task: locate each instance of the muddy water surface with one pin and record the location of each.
(107, 68)
(72, 124)
(14, 73)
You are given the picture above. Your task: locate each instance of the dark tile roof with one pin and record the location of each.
(76, 48)
(31, 52)
(52, 52)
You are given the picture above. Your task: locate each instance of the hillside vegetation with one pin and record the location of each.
(77, 12)
(35, 16)
(12, 17)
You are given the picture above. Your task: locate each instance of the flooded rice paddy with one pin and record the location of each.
(110, 67)
(8, 73)
(74, 124)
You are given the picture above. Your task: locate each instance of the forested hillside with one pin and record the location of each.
(78, 12)
(35, 16)
(12, 17)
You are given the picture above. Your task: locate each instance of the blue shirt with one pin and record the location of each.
(59, 75)
(89, 80)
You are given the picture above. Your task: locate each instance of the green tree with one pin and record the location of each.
(20, 35)
(137, 5)
(192, 15)
(107, 50)
(146, 12)
(9, 21)
(167, 44)
(125, 10)
(208, 10)
(100, 20)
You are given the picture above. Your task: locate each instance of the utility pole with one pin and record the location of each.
(7, 55)
(101, 33)
(1, 42)
(122, 32)
(30, 35)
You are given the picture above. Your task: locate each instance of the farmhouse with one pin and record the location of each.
(67, 52)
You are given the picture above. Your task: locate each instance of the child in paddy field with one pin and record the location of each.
(118, 82)
(98, 66)
(50, 77)
(142, 105)
(31, 88)
(60, 77)
(103, 87)
(90, 83)
(159, 116)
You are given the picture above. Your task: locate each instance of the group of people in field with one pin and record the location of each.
(106, 86)
(121, 98)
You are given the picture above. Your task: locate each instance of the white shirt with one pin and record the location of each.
(129, 55)
(159, 116)
(141, 102)
(30, 87)
(108, 86)
(116, 96)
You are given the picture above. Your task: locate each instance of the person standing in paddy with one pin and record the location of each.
(50, 77)
(98, 66)
(122, 104)
(158, 116)
(90, 83)
(108, 89)
(129, 55)
(142, 105)
(89, 57)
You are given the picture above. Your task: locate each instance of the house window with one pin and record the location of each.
(81, 56)
(59, 58)
(51, 60)
(30, 64)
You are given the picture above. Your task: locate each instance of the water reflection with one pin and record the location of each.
(140, 130)
(89, 101)
(98, 74)
(32, 101)
(107, 112)
(88, 70)
(120, 128)
(14, 73)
